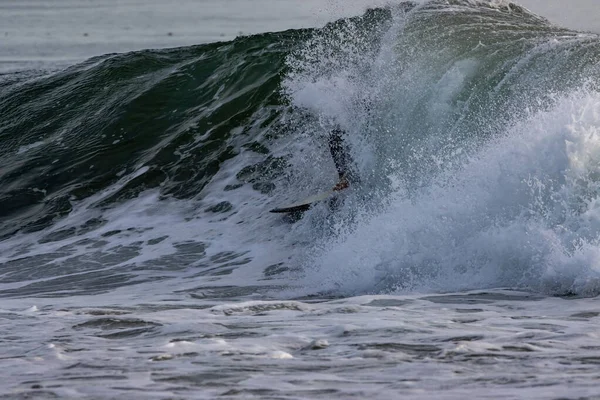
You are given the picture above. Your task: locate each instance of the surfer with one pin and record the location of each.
(345, 166)
(340, 152)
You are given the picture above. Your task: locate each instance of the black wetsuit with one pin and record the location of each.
(340, 152)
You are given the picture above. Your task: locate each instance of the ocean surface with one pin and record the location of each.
(138, 257)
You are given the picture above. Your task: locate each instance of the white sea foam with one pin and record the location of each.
(467, 205)
(522, 212)
(499, 344)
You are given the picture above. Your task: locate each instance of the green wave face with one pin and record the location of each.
(180, 112)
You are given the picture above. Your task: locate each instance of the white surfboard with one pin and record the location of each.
(306, 203)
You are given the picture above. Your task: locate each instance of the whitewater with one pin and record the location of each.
(139, 260)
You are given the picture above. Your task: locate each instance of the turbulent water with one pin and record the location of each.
(138, 258)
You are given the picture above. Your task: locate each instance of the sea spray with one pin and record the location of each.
(472, 142)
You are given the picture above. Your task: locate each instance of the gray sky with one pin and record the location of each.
(67, 31)
(576, 14)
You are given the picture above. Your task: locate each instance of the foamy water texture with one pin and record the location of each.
(521, 212)
(489, 344)
(138, 258)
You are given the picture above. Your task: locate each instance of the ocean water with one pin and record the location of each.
(138, 258)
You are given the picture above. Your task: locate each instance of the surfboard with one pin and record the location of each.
(305, 204)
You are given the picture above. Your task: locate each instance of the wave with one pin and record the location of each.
(473, 125)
